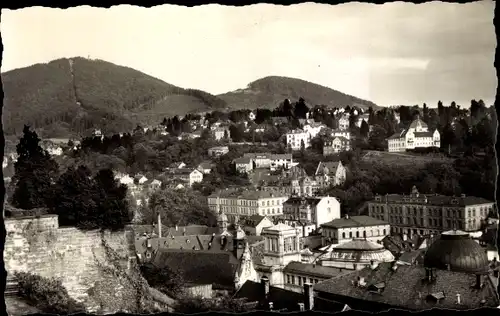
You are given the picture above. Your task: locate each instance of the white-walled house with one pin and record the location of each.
(187, 175)
(417, 135)
(313, 129)
(343, 122)
(311, 210)
(295, 138)
(346, 229)
(330, 173)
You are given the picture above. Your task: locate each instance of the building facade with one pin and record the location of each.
(330, 174)
(336, 145)
(417, 135)
(245, 203)
(430, 214)
(218, 151)
(345, 229)
(313, 210)
(295, 139)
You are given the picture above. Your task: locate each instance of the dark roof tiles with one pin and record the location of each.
(354, 221)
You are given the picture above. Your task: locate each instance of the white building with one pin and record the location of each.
(417, 135)
(295, 139)
(345, 229)
(220, 132)
(313, 129)
(313, 211)
(336, 145)
(341, 133)
(344, 122)
(189, 176)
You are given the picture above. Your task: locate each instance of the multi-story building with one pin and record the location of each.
(330, 173)
(425, 214)
(299, 186)
(336, 145)
(417, 135)
(345, 229)
(243, 164)
(187, 175)
(313, 210)
(343, 122)
(283, 161)
(218, 151)
(245, 203)
(296, 138)
(220, 133)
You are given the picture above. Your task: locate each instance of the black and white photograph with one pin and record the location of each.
(307, 157)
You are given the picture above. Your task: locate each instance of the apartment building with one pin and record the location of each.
(245, 203)
(311, 210)
(297, 137)
(424, 214)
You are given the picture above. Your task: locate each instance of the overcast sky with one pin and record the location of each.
(396, 53)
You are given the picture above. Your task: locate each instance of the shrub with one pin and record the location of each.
(47, 294)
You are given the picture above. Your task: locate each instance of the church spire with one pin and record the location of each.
(246, 270)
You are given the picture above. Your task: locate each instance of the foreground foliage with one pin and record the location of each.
(47, 294)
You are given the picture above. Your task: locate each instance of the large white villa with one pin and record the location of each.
(415, 136)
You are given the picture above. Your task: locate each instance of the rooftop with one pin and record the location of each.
(354, 221)
(431, 199)
(248, 194)
(405, 288)
(313, 270)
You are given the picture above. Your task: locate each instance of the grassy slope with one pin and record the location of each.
(270, 91)
(111, 97)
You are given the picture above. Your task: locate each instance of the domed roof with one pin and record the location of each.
(458, 250)
(358, 250)
(222, 217)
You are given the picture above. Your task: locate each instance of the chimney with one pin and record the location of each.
(361, 281)
(309, 296)
(458, 298)
(159, 225)
(264, 281)
(301, 307)
(478, 281)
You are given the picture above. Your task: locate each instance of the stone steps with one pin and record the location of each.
(11, 287)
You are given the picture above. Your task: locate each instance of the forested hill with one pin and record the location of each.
(73, 96)
(268, 92)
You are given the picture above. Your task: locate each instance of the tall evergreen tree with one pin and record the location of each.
(365, 129)
(35, 171)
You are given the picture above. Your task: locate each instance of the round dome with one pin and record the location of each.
(222, 217)
(457, 251)
(358, 250)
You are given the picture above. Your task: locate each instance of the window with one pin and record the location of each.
(288, 279)
(350, 234)
(311, 280)
(384, 232)
(304, 281)
(300, 281)
(343, 235)
(364, 233)
(357, 234)
(293, 279)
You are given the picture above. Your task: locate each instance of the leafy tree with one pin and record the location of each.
(166, 280)
(237, 132)
(47, 294)
(365, 129)
(35, 171)
(112, 201)
(377, 138)
(180, 207)
(301, 109)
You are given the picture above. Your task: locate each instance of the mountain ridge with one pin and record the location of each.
(72, 96)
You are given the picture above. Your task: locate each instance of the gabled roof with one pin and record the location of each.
(206, 165)
(355, 221)
(332, 167)
(199, 267)
(313, 201)
(402, 288)
(242, 160)
(423, 134)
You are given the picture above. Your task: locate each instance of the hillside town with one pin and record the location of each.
(268, 223)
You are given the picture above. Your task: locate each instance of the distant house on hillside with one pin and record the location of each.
(187, 175)
(330, 173)
(177, 165)
(417, 135)
(218, 151)
(343, 122)
(336, 145)
(205, 167)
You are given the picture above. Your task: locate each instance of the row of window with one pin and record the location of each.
(299, 280)
(419, 211)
